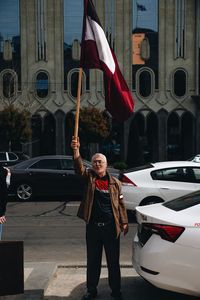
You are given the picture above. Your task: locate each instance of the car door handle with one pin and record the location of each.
(163, 188)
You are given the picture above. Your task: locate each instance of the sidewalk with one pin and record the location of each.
(50, 281)
(68, 283)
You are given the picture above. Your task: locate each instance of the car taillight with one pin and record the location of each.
(166, 232)
(126, 181)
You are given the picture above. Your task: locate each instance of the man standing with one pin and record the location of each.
(3, 196)
(103, 210)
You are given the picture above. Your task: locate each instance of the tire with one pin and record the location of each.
(151, 200)
(24, 192)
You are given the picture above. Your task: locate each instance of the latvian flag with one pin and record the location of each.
(97, 54)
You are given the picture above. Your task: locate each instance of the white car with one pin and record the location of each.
(159, 182)
(166, 248)
(195, 158)
(8, 176)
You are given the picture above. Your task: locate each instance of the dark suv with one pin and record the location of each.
(12, 158)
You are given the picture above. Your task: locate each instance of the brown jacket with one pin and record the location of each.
(85, 207)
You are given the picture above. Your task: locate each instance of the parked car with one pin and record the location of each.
(159, 182)
(195, 158)
(166, 247)
(11, 158)
(51, 175)
(8, 176)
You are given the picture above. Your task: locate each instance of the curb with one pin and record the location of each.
(37, 277)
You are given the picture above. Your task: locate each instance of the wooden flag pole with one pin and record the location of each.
(78, 103)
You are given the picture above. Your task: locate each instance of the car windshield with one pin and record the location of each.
(183, 202)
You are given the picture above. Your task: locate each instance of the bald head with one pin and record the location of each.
(99, 164)
(100, 156)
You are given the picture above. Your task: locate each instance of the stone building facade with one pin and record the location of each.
(157, 44)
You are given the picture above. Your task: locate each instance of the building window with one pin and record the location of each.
(73, 16)
(180, 83)
(145, 84)
(10, 54)
(145, 38)
(42, 85)
(180, 29)
(40, 29)
(110, 22)
(73, 82)
(8, 84)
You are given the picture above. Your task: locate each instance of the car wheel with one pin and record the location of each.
(151, 200)
(24, 191)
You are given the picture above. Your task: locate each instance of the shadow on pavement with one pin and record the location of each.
(133, 288)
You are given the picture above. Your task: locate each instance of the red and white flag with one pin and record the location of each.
(97, 54)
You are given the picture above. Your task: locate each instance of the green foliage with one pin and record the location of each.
(14, 125)
(94, 125)
(121, 165)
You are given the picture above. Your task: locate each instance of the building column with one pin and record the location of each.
(60, 133)
(162, 135)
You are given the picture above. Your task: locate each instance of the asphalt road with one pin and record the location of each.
(52, 232)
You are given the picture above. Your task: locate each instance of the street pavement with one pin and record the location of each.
(55, 264)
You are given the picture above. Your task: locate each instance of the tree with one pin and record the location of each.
(94, 125)
(14, 126)
(94, 128)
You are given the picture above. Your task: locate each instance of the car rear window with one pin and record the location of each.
(12, 156)
(148, 166)
(183, 202)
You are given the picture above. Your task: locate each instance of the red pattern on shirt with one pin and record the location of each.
(101, 185)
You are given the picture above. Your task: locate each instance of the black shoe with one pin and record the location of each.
(89, 296)
(117, 296)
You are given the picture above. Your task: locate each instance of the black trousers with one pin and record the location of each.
(98, 238)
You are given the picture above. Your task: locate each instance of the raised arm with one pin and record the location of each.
(75, 144)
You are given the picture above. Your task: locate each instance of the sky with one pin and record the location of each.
(9, 18)
(73, 14)
(147, 18)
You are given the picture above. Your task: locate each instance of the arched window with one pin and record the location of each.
(145, 84)
(42, 85)
(8, 85)
(180, 83)
(74, 84)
